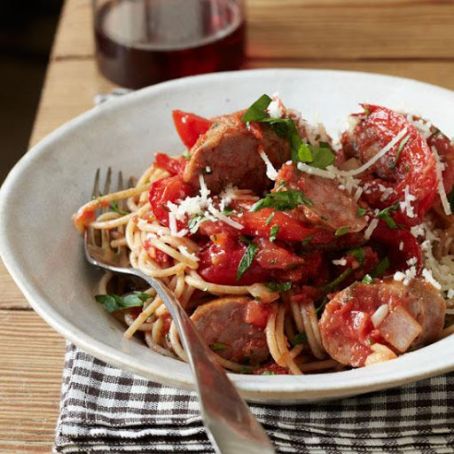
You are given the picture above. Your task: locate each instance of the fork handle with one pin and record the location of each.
(231, 426)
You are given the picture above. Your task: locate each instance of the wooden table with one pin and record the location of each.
(412, 38)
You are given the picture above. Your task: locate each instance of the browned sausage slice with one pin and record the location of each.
(385, 312)
(228, 328)
(331, 206)
(228, 153)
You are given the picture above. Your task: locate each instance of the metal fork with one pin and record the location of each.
(231, 426)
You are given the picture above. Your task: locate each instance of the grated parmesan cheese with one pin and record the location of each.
(222, 217)
(441, 189)
(172, 224)
(340, 262)
(442, 271)
(274, 109)
(405, 277)
(406, 206)
(185, 251)
(370, 229)
(271, 172)
(328, 173)
(417, 230)
(427, 275)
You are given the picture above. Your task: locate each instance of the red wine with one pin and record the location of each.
(147, 41)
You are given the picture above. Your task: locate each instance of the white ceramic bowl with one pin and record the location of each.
(43, 252)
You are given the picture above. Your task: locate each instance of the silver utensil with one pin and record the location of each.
(231, 426)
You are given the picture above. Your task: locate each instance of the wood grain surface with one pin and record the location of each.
(410, 38)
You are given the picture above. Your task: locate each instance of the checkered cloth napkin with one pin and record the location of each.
(107, 410)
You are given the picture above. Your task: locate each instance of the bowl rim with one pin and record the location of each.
(273, 389)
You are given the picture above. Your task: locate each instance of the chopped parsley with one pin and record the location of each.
(114, 207)
(194, 223)
(246, 260)
(300, 338)
(269, 218)
(279, 286)
(307, 240)
(113, 303)
(381, 267)
(227, 211)
(385, 215)
(273, 232)
(218, 346)
(358, 253)
(282, 200)
(341, 231)
(399, 151)
(360, 212)
(336, 282)
(367, 279)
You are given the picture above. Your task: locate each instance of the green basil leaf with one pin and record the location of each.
(218, 346)
(114, 207)
(341, 231)
(322, 156)
(114, 302)
(246, 260)
(279, 286)
(273, 233)
(282, 200)
(257, 111)
(305, 153)
(381, 268)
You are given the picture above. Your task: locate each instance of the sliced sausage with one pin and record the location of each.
(331, 206)
(408, 317)
(228, 153)
(234, 328)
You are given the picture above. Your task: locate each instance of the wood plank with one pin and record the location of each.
(69, 90)
(327, 29)
(74, 36)
(30, 379)
(351, 29)
(12, 297)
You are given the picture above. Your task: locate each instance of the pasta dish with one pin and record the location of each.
(292, 252)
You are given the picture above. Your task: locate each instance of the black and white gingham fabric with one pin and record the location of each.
(107, 410)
